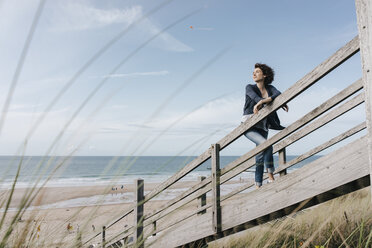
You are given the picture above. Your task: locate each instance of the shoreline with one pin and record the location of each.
(54, 222)
(50, 195)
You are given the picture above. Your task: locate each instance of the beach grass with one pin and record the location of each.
(343, 222)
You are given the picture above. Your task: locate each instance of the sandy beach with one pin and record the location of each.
(53, 226)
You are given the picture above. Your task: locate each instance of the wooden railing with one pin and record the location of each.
(146, 227)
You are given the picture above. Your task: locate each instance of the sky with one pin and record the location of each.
(161, 78)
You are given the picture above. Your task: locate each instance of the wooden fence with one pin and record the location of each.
(339, 172)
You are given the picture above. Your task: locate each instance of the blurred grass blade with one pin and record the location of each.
(21, 63)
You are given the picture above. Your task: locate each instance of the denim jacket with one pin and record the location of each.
(253, 96)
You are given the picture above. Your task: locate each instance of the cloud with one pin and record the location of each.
(165, 40)
(78, 16)
(81, 15)
(137, 74)
(172, 44)
(216, 114)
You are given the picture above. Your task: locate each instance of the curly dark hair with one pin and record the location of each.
(267, 71)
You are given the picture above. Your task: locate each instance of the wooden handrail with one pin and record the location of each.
(289, 164)
(317, 149)
(230, 173)
(290, 129)
(232, 169)
(315, 75)
(332, 102)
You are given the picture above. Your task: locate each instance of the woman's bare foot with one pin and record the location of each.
(271, 177)
(258, 185)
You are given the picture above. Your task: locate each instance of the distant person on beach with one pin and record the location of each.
(257, 96)
(69, 227)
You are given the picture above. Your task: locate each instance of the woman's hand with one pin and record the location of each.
(257, 107)
(285, 107)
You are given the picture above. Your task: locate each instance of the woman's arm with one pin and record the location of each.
(267, 100)
(260, 103)
(274, 94)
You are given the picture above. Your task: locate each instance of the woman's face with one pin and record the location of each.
(258, 75)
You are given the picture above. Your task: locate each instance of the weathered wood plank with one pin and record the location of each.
(202, 200)
(346, 164)
(315, 75)
(341, 190)
(302, 157)
(216, 174)
(185, 170)
(337, 168)
(138, 213)
(282, 160)
(356, 86)
(129, 211)
(320, 71)
(326, 196)
(179, 204)
(364, 19)
(347, 106)
(180, 219)
(308, 129)
(322, 147)
(177, 199)
(181, 231)
(198, 190)
(317, 149)
(305, 131)
(309, 79)
(103, 237)
(330, 103)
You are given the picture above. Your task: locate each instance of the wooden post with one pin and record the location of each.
(103, 236)
(154, 228)
(202, 200)
(138, 213)
(125, 239)
(282, 161)
(364, 17)
(216, 174)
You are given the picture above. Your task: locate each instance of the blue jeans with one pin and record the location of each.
(265, 157)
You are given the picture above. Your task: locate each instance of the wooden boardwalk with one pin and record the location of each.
(340, 172)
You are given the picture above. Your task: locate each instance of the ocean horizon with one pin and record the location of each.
(116, 172)
(104, 170)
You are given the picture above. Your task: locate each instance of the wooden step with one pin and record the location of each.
(338, 173)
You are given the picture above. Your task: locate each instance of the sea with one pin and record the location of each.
(108, 170)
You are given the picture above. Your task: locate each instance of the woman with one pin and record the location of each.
(257, 96)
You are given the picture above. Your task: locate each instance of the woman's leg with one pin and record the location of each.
(269, 162)
(268, 158)
(257, 138)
